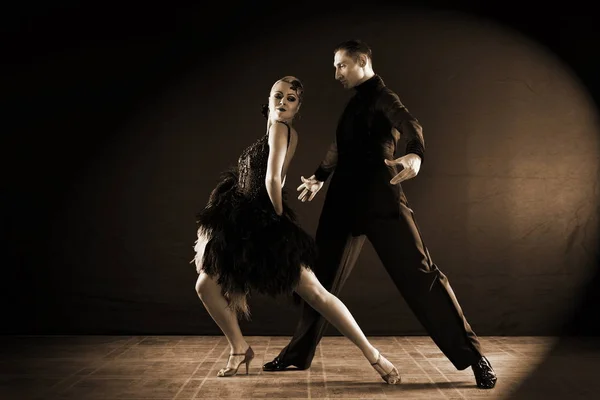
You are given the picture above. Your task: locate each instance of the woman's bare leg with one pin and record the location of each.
(210, 294)
(336, 313)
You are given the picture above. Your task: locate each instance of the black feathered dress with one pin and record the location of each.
(242, 242)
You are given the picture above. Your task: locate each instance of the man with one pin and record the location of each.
(365, 200)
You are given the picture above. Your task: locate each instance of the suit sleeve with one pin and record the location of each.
(401, 119)
(328, 164)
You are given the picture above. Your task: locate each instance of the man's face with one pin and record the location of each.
(347, 71)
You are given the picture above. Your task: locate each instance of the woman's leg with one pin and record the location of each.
(217, 306)
(210, 293)
(337, 314)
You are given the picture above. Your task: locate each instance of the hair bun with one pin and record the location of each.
(265, 110)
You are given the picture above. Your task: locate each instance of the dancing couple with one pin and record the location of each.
(249, 240)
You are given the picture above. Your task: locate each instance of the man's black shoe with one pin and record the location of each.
(279, 365)
(484, 374)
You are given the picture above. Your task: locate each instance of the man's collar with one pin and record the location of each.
(370, 84)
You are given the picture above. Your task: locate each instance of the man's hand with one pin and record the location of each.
(411, 164)
(310, 185)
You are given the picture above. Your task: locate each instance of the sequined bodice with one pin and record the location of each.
(252, 168)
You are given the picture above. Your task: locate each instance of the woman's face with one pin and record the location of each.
(283, 102)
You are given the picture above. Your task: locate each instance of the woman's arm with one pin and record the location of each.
(278, 139)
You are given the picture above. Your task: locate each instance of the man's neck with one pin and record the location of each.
(368, 75)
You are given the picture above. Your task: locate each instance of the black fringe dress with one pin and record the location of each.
(242, 242)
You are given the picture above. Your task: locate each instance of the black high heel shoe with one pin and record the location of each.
(392, 377)
(230, 371)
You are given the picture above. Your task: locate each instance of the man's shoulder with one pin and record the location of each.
(386, 91)
(385, 95)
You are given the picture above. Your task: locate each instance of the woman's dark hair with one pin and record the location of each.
(265, 110)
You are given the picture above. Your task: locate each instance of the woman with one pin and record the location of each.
(249, 240)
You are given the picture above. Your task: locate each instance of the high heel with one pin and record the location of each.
(230, 371)
(392, 377)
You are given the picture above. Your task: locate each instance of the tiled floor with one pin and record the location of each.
(184, 367)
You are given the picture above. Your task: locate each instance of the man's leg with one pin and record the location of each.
(425, 288)
(338, 252)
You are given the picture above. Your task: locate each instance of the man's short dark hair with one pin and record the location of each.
(354, 48)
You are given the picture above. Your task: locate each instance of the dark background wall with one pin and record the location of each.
(120, 120)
